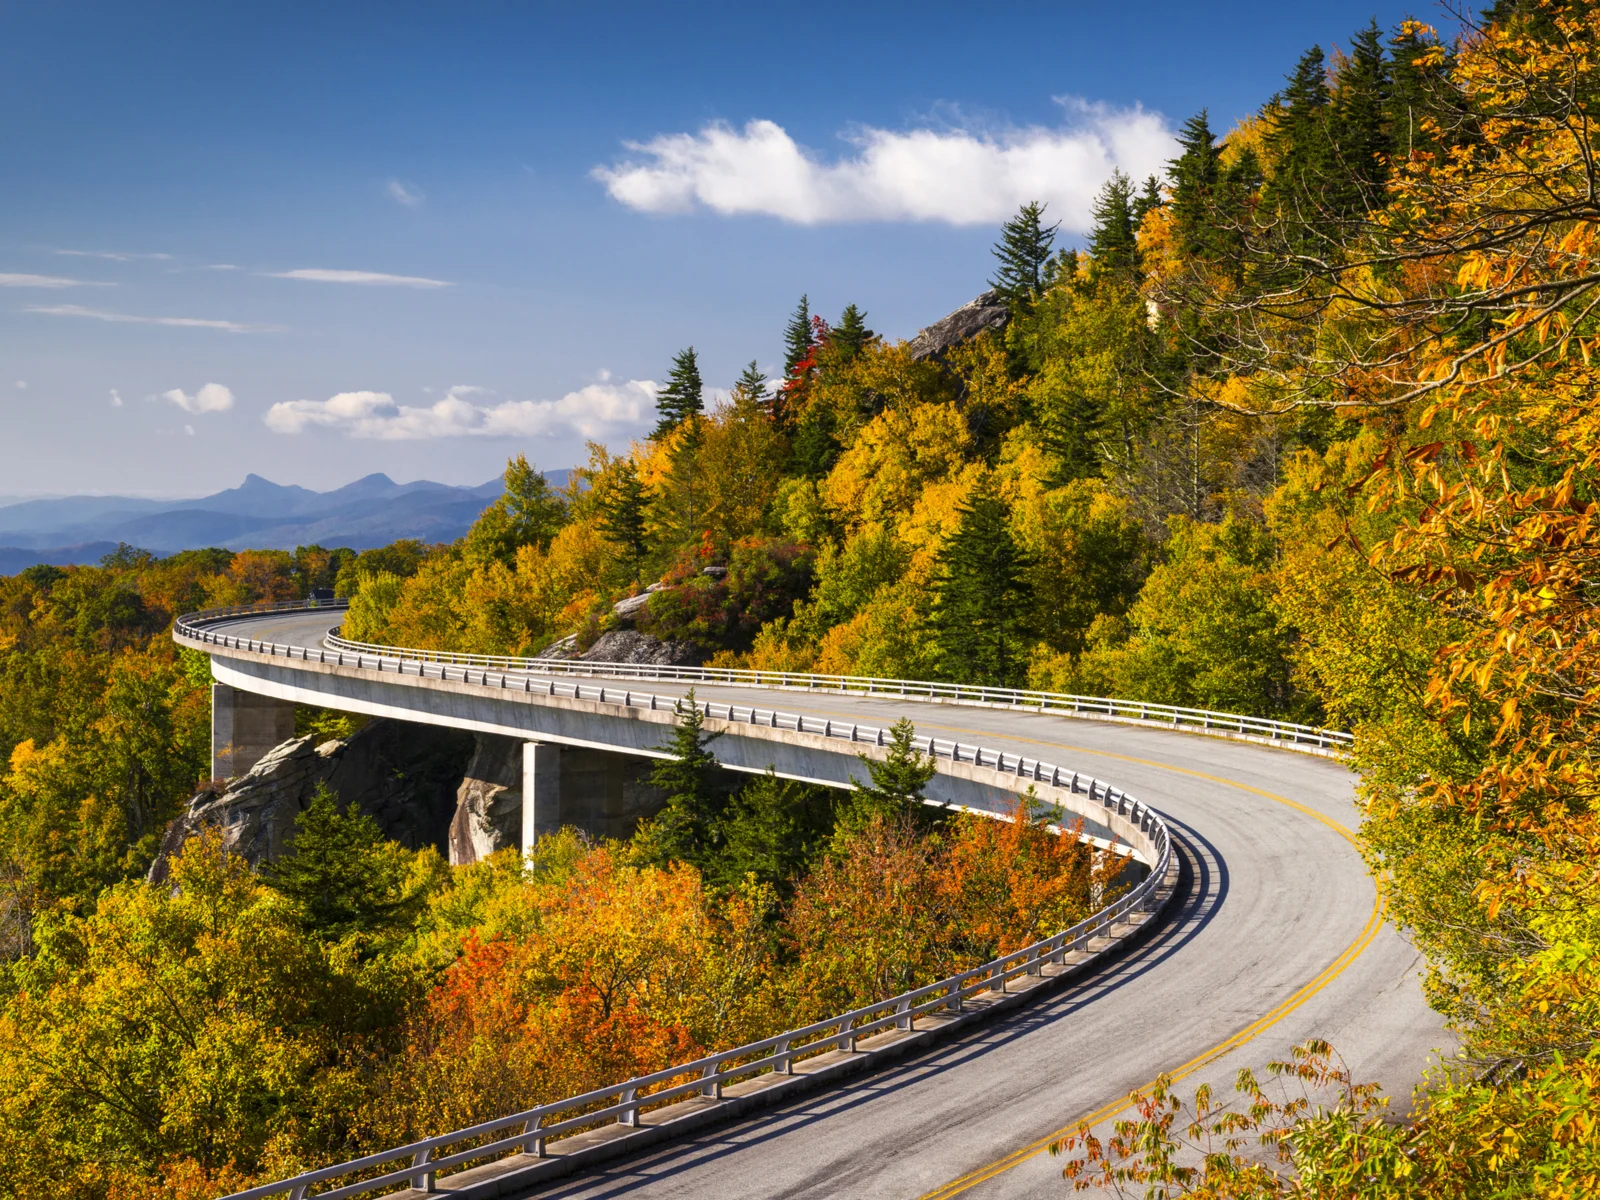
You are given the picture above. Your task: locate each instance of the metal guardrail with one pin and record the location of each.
(1197, 720)
(622, 1103)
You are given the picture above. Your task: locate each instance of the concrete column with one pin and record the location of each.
(541, 792)
(244, 726)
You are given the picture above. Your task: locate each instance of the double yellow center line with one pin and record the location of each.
(1334, 969)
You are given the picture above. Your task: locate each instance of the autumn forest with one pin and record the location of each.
(1306, 428)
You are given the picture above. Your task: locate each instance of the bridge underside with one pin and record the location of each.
(582, 748)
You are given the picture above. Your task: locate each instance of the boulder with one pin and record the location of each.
(632, 608)
(988, 311)
(404, 776)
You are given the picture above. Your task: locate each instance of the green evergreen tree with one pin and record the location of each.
(1419, 95)
(1303, 185)
(683, 396)
(343, 876)
(797, 338)
(687, 829)
(1023, 251)
(982, 600)
(624, 510)
(772, 828)
(851, 333)
(816, 445)
(1149, 197)
(752, 385)
(1112, 241)
(1195, 174)
(896, 787)
(1362, 138)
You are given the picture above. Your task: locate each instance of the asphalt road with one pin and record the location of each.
(1278, 938)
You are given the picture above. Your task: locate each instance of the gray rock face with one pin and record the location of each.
(627, 646)
(403, 775)
(488, 814)
(631, 646)
(631, 608)
(988, 311)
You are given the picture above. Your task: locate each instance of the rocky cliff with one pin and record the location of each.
(405, 776)
(987, 312)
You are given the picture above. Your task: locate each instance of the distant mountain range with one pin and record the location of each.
(256, 515)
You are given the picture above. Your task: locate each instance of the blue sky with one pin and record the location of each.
(314, 241)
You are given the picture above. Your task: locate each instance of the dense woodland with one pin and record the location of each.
(1307, 429)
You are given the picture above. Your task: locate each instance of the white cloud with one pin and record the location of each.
(962, 176)
(116, 399)
(77, 310)
(402, 194)
(189, 429)
(113, 257)
(211, 398)
(22, 385)
(47, 281)
(595, 411)
(370, 278)
(221, 267)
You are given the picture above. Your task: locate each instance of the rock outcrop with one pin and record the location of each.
(488, 813)
(988, 311)
(627, 646)
(404, 776)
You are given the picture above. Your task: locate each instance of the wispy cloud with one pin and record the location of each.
(213, 397)
(114, 257)
(221, 267)
(368, 278)
(77, 310)
(116, 398)
(47, 281)
(960, 175)
(21, 385)
(599, 410)
(407, 194)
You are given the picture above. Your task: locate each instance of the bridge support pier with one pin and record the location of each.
(541, 792)
(244, 726)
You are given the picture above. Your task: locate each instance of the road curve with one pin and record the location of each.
(1278, 938)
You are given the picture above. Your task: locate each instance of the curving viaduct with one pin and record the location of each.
(1277, 935)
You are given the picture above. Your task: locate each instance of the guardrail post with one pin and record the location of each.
(785, 1063)
(902, 1015)
(714, 1087)
(532, 1143)
(423, 1180)
(629, 1115)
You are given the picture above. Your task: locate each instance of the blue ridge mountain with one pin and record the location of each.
(258, 514)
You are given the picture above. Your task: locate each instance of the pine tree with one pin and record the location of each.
(851, 333)
(1149, 198)
(897, 784)
(751, 385)
(1302, 147)
(982, 600)
(1112, 240)
(1023, 251)
(797, 338)
(623, 514)
(683, 395)
(1362, 139)
(1418, 93)
(687, 828)
(342, 874)
(801, 337)
(1195, 174)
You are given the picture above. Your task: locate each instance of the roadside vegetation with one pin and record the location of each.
(1307, 430)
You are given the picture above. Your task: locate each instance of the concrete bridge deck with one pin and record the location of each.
(1278, 938)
